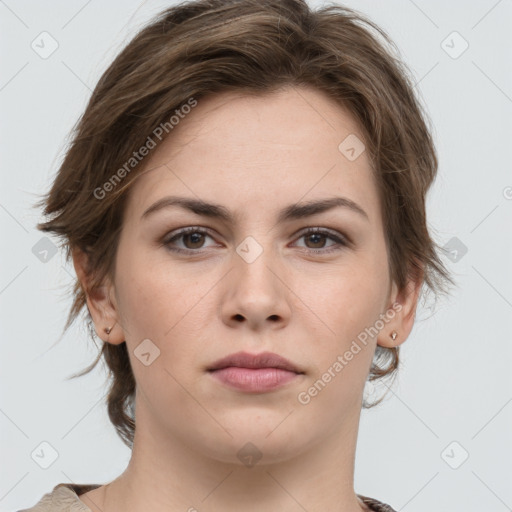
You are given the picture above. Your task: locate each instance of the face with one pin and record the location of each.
(253, 280)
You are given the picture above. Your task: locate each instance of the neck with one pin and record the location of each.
(166, 474)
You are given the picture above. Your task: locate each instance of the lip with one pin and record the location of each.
(254, 373)
(250, 380)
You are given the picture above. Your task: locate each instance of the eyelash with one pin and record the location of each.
(341, 240)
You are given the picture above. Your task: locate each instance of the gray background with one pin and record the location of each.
(455, 384)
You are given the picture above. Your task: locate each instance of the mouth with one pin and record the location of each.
(255, 361)
(254, 373)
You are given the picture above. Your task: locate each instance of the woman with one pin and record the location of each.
(244, 204)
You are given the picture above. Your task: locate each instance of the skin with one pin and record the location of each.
(253, 155)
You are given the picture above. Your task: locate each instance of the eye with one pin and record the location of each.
(318, 236)
(192, 237)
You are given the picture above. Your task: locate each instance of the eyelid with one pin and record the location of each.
(324, 230)
(179, 232)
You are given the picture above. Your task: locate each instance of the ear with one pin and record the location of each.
(403, 303)
(100, 301)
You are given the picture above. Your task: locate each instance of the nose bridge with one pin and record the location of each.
(254, 260)
(256, 292)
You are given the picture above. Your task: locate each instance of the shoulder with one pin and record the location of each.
(375, 505)
(63, 498)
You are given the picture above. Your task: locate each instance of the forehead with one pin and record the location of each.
(236, 148)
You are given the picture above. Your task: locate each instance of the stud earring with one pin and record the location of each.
(393, 335)
(108, 329)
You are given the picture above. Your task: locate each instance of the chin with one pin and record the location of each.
(258, 443)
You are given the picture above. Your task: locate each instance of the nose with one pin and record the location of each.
(256, 293)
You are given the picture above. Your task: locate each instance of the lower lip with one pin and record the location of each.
(254, 380)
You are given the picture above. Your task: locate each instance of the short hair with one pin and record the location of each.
(198, 48)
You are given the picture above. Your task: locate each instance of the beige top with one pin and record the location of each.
(64, 498)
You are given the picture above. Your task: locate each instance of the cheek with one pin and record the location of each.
(150, 295)
(349, 304)
(349, 296)
(345, 345)
(168, 307)
(153, 304)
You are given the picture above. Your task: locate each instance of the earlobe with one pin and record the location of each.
(116, 338)
(392, 340)
(101, 308)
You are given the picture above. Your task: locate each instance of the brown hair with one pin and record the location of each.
(201, 47)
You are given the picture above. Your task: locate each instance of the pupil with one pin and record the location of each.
(316, 235)
(194, 238)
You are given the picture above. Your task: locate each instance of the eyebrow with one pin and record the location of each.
(291, 212)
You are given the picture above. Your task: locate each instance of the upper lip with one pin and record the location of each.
(262, 360)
